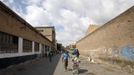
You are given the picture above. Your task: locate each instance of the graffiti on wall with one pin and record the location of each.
(127, 52)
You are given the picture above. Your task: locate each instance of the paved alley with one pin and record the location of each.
(44, 67)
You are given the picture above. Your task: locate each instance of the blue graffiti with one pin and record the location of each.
(128, 53)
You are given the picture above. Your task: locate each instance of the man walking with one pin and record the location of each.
(65, 59)
(50, 56)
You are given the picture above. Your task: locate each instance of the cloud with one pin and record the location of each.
(70, 17)
(38, 16)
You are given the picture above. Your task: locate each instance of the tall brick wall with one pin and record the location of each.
(113, 39)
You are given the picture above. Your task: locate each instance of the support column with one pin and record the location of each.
(40, 48)
(20, 45)
(33, 51)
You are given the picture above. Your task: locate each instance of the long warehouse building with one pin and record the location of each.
(19, 41)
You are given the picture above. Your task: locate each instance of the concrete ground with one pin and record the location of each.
(44, 67)
(34, 67)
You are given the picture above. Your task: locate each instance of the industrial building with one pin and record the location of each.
(19, 41)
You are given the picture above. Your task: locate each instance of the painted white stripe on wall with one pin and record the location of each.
(20, 50)
(9, 55)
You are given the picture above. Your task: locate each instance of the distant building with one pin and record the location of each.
(91, 28)
(71, 46)
(48, 32)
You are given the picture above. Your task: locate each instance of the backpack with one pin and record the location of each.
(76, 52)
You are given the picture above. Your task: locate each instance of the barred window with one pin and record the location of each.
(8, 43)
(36, 47)
(46, 49)
(27, 45)
(43, 48)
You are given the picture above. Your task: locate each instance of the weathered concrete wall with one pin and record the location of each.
(113, 39)
(48, 32)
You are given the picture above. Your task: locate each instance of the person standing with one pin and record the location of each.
(75, 67)
(76, 52)
(65, 59)
(50, 56)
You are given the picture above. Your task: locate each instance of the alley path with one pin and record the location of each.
(43, 67)
(87, 68)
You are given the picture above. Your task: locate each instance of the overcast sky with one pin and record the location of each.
(71, 18)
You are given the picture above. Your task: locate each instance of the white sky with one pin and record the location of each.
(70, 17)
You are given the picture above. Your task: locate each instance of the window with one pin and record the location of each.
(36, 47)
(8, 43)
(46, 48)
(43, 48)
(27, 45)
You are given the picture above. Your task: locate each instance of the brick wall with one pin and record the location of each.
(111, 38)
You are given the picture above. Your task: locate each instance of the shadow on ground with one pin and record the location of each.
(82, 71)
(90, 74)
(36, 67)
(55, 65)
(69, 69)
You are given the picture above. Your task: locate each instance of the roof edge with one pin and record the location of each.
(11, 12)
